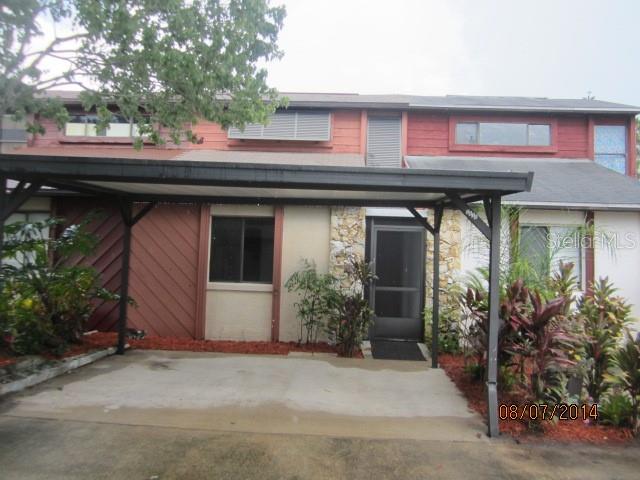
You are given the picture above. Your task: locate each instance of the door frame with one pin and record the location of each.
(397, 224)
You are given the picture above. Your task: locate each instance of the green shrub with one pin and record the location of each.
(317, 300)
(625, 374)
(616, 409)
(604, 316)
(46, 300)
(351, 317)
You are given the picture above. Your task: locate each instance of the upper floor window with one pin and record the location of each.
(384, 141)
(610, 147)
(84, 125)
(302, 125)
(503, 133)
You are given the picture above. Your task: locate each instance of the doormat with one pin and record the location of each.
(390, 350)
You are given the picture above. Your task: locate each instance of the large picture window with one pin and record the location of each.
(503, 133)
(241, 250)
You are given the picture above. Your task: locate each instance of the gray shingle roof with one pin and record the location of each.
(447, 102)
(557, 183)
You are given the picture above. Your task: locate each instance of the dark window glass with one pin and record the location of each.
(397, 269)
(241, 250)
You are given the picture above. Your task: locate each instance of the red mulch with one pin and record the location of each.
(563, 430)
(6, 360)
(99, 340)
(108, 339)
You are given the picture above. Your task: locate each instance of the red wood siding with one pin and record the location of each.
(428, 134)
(164, 266)
(164, 269)
(108, 256)
(345, 138)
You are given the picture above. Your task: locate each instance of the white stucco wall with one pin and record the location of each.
(238, 311)
(306, 235)
(618, 254)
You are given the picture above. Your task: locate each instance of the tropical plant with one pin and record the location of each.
(450, 325)
(625, 373)
(162, 64)
(352, 315)
(603, 315)
(616, 409)
(46, 300)
(317, 299)
(548, 343)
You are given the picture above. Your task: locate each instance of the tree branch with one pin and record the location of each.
(44, 53)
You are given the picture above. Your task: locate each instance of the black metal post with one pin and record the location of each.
(126, 207)
(3, 208)
(435, 310)
(494, 320)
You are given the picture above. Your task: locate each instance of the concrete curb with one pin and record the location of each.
(65, 366)
(366, 349)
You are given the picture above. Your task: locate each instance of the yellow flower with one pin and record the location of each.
(27, 303)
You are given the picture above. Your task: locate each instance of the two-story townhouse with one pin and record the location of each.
(218, 271)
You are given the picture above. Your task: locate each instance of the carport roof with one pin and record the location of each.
(219, 182)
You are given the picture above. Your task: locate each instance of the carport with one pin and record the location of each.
(148, 182)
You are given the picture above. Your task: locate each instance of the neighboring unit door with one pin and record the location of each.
(396, 297)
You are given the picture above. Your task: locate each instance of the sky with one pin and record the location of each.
(542, 48)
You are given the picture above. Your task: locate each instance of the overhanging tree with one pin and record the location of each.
(164, 64)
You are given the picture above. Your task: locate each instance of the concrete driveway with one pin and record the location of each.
(263, 394)
(162, 415)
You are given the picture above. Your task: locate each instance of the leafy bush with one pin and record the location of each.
(352, 315)
(318, 299)
(615, 409)
(625, 373)
(45, 299)
(450, 327)
(604, 316)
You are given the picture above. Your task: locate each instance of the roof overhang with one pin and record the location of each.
(216, 182)
(561, 183)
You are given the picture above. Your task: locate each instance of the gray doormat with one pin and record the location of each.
(393, 350)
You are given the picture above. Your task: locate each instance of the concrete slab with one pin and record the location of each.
(324, 396)
(68, 450)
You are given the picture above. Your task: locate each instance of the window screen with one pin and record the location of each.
(545, 246)
(611, 147)
(241, 250)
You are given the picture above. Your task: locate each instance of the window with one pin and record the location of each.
(29, 217)
(384, 141)
(241, 250)
(85, 126)
(508, 134)
(610, 147)
(545, 246)
(288, 125)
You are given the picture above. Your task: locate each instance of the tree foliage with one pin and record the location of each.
(165, 64)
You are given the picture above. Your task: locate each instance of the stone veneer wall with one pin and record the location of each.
(348, 236)
(450, 255)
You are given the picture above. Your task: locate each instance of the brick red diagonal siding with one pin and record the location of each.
(108, 255)
(164, 266)
(164, 260)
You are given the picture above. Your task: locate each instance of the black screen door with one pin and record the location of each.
(397, 296)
